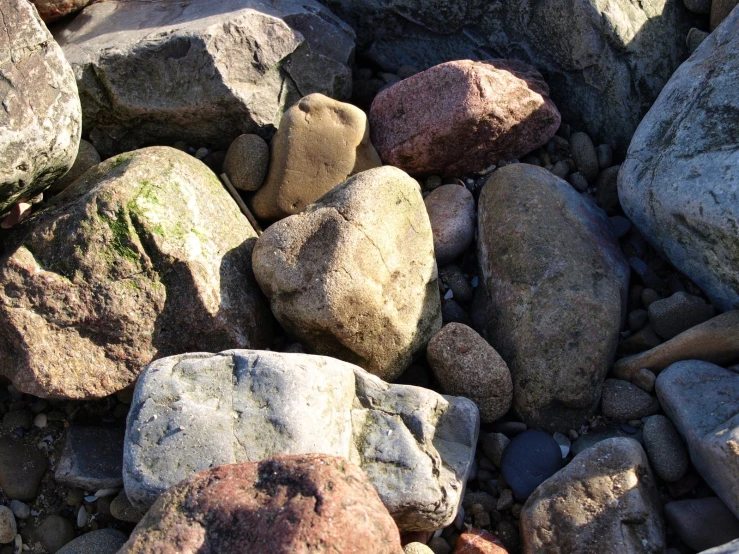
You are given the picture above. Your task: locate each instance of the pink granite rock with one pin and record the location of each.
(298, 504)
(51, 10)
(461, 117)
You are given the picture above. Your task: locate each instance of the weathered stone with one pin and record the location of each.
(134, 67)
(599, 434)
(87, 157)
(701, 399)
(466, 365)
(716, 340)
(310, 503)
(103, 541)
(623, 401)
(122, 509)
(51, 10)
(556, 305)
(584, 155)
(728, 548)
(720, 10)
(479, 541)
(678, 313)
(196, 411)
(695, 38)
(354, 276)
(417, 548)
(54, 532)
(246, 162)
(451, 210)
(21, 469)
(462, 116)
(702, 523)
(530, 459)
(91, 458)
(41, 120)
(493, 446)
(605, 62)
(8, 527)
(586, 506)
(144, 256)
(665, 448)
(319, 144)
(702, 7)
(680, 182)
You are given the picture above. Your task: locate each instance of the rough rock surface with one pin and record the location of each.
(556, 305)
(196, 411)
(303, 504)
(702, 523)
(451, 210)
(605, 61)
(103, 541)
(716, 340)
(680, 181)
(605, 500)
(623, 401)
(41, 119)
(466, 365)
(22, 467)
(462, 116)
(665, 448)
(354, 276)
(91, 458)
(246, 162)
(51, 10)
(253, 59)
(320, 142)
(145, 256)
(87, 157)
(702, 400)
(479, 541)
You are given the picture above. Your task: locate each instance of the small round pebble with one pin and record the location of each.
(439, 545)
(622, 401)
(452, 312)
(620, 225)
(8, 527)
(578, 182)
(649, 297)
(40, 421)
(54, 532)
(246, 163)
(607, 185)
(122, 509)
(416, 548)
(583, 152)
(21, 510)
(487, 501)
(103, 541)
(561, 169)
(530, 459)
(644, 379)
(665, 448)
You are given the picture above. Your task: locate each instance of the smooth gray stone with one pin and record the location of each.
(102, 541)
(91, 459)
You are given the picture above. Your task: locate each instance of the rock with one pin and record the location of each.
(451, 211)
(91, 458)
(417, 548)
(644, 379)
(644, 339)
(678, 313)
(649, 297)
(466, 365)
(623, 401)
(18, 418)
(462, 116)
(720, 10)
(530, 459)
(637, 320)
(87, 157)
(102, 541)
(584, 155)
(578, 182)
(702, 523)
(701, 7)
(493, 446)
(620, 225)
(728, 548)
(319, 144)
(254, 60)
(453, 277)
(51, 10)
(354, 275)
(505, 501)
(144, 256)
(695, 38)
(701, 399)
(680, 180)
(585, 507)
(8, 528)
(246, 162)
(604, 152)
(479, 541)
(42, 120)
(192, 412)
(600, 434)
(451, 312)
(438, 545)
(122, 509)
(487, 501)
(19, 509)
(545, 296)
(665, 448)
(561, 169)
(605, 62)
(716, 340)
(313, 503)
(54, 532)
(607, 188)
(21, 469)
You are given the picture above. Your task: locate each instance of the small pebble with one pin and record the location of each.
(18, 419)
(678, 313)
(432, 182)
(481, 520)
(54, 532)
(530, 459)
(487, 501)
(584, 155)
(493, 446)
(82, 517)
(665, 448)
(563, 442)
(578, 181)
(637, 320)
(644, 379)
(40, 421)
(561, 169)
(439, 546)
(505, 501)
(20, 509)
(605, 155)
(452, 312)
(417, 548)
(201, 152)
(510, 428)
(695, 38)
(620, 225)
(622, 401)
(635, 423)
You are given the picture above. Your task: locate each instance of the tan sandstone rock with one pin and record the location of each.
(320, 142)
(354, 276)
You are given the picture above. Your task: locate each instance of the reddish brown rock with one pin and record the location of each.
(460, 117)
(51, 10)
(289, 504)
(720, 10)
(479, 541)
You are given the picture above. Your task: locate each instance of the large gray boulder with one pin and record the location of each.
(605, 61)
(146, 255)
(702, 400)
(680, 181)
(201, 71)
(353, 276)
(196, 411)
(556, 304)
(40, 119)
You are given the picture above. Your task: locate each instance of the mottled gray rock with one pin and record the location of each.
(353, 276)
(102, 541)
(91, 458)
(605, 62)
(254, 59)
(665, 448)
(556, 309)
(702, 7)
(451, 210)
(680, 181)
(122, 509)
(678, 313)
(702, 523)
(8, 527)
(195, 411)
(623, 401)
(701, 399)
(41, 120)
(54, 532)
(586, 506)
(493, 446)
(146, 255)
(246, 162)
(584, 155)
(695, 38)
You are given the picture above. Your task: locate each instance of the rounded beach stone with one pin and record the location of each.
(530, 459)
(54, 532)
(8, 527)
(585, 156)
(451, 210)
(665, 448)
(681, 311)
(623, 401)
(246, 163)
(102, 541)
(479, 541)
(466, 365)
(21, 469)
(702, 523)
(417, 548)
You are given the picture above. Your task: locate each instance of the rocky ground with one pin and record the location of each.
(351, 296)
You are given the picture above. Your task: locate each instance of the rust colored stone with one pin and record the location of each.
(479, 541)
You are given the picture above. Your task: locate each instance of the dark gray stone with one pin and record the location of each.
(583, 152)
(605, 155)
(21, 469)
(594, 436)
(92, 458)
(453, 277)
(54, 532)
(678, 313)
(102, 541)
(529, 460)
(623, 401)
(665, 448)
(702, 523)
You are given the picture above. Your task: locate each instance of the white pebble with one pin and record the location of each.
(40, 420)
(90, 499)
(102, 493)
(19, 544)
(82, 517)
